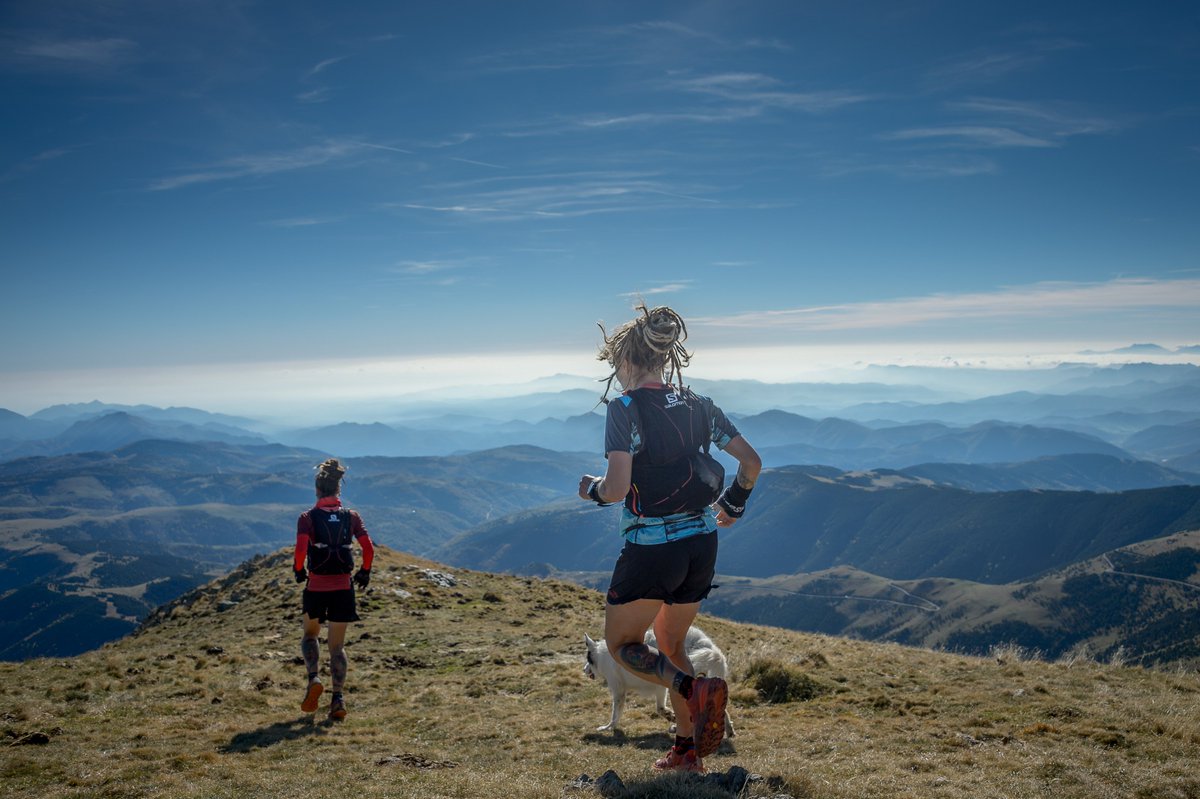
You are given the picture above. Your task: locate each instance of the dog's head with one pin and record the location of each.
(591, 663)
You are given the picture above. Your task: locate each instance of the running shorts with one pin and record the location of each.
(678, 572)
(330, 605)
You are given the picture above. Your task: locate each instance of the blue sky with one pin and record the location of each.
(439, 193)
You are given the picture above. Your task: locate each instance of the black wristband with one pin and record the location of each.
(733, 499)
(593, 492)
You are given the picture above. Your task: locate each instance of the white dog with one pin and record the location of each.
(706, 657)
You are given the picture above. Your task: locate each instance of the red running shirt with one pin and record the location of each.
(330, 582)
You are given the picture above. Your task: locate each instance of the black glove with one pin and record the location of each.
(301, 574)
(362, 577)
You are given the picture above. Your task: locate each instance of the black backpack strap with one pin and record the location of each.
(706, 416)
(635, 415)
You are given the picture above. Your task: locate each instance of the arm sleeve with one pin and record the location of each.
(723, 430)
(303, 531)
(360, 534)
(619, 435)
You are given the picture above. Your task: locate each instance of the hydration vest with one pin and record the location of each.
(673, 472)
(329, 542)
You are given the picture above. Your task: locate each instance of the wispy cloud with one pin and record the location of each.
(450, 141)
(324, 65)
(302, 221)
(1050, 300)
(763, 91)
(996, 124)
(1059, 120)
(318, 95)
(423, 267)
(971, 135)
(663, 288)
(956, 165)
(34, 162)
(477, 163)
(433, 272)
(107, 52)
(704, 100)
(371, 146)
(261, 164)
(638, 43)
(988, 65)
(563, 196)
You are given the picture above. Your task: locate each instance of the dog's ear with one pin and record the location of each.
(587, 639)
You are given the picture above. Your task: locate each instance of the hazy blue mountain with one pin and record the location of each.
(810, 399)
(75, 412)
(529, 407)
(806, 454)
(1140, 349)
(998, 443)
(570, 535)
(903, 446)
(1187, 463)
(802, 521)
(15, 427)
(1166, 441)
(575, 433)
(1096, 392)
(91, 542)
(118, 428)
(1077, 472)
(1105, 377)
(1143, 600)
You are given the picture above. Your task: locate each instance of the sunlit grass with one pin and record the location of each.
(477, 690)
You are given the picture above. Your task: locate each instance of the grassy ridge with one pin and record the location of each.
(475, 689)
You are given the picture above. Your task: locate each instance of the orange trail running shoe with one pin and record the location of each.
(707, 706)
(312, 696)
(680, 760)
(337, 709)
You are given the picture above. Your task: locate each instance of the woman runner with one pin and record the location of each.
(323, 539)
(653, 431)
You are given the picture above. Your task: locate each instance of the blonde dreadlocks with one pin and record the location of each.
(653, 341)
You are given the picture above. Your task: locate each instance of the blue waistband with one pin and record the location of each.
(663, 529)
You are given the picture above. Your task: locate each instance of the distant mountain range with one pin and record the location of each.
(805, 520)
(1148, 412)
(110, 510)
(93, 541)
(90, 543)
(1140, 603)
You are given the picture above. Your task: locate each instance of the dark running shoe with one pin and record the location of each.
(337, 709)
(707, 706)
(312, 696)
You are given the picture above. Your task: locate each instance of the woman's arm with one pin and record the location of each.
(615, 484)
(303, 531)
(364, 540)
(749, 467)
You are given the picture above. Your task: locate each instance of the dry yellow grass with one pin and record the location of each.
(476, 690)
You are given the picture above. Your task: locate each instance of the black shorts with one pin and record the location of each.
(330, 605)
(677, 572)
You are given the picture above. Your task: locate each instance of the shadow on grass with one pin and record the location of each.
(654, 741)
(276, 733)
